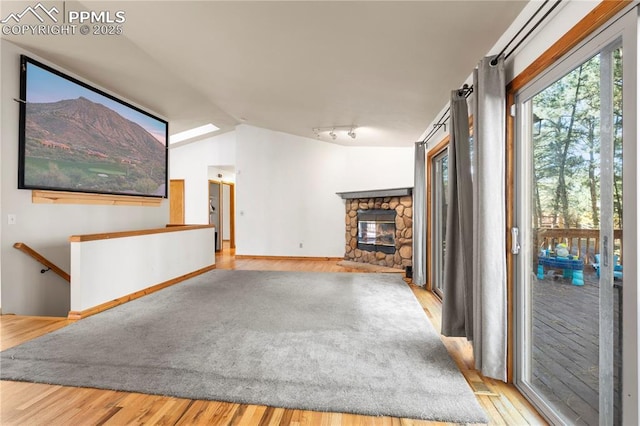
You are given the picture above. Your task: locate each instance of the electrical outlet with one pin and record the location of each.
(300, 245)
(11, 219)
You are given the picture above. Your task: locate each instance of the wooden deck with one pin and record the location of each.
(565, 344)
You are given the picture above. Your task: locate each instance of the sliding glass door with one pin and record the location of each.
(439, 203)
(570, 270)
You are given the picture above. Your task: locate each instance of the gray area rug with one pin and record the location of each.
(353, 343)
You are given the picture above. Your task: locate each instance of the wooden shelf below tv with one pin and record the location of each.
(57, 197)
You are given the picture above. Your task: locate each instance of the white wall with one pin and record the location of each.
(45, 227)
(213, 172)
(285, 186)
(378, 168)
(95, 280)
(191, 162)
(286, 190)
(285, 195)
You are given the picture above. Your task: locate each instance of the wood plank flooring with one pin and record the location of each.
(40, 404)
(566, 345)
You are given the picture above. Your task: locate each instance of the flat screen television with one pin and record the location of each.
(74, 137)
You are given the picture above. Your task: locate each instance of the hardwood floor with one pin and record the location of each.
(40, 404)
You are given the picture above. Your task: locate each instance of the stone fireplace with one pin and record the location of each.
(379, 227)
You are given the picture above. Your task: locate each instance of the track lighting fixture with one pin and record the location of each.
(335, 131)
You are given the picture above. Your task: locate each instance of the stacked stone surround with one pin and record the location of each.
(403, 207)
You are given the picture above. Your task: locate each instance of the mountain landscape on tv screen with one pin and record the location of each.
(81, 145)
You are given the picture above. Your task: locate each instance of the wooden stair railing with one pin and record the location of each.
(37, 256)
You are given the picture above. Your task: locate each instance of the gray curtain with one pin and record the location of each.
(489, 222)
(457, 303)
(419, 216)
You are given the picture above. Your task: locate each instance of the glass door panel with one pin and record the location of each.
(573, 158)
(439, 202)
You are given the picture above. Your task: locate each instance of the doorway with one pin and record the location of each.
(438, 178)
(176, 201)
(215, 211)
(569, 271)
(222, 212)
(228, 214)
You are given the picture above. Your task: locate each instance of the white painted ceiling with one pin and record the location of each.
(386, 66)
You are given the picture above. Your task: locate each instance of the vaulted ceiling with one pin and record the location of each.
(290, 66)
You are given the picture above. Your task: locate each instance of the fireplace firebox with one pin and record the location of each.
(377, 230)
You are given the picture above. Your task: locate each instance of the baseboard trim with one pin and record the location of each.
(77, 315)
(248, 256)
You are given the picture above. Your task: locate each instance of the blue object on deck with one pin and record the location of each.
(571, 268)
(617, 268)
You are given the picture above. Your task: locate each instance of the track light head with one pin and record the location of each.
(348, 129)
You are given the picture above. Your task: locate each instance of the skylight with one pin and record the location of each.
(192, 133)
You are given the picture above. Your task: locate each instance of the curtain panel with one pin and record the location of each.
(420, 216)
(475, 290)
(489, 220)
(457, 302)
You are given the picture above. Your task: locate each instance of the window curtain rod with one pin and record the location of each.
(466, 90)
(526, 24)
(494, 62)
(443, 120)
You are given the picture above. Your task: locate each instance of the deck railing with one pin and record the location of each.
(583, 243)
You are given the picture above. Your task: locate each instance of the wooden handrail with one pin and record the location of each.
(37, 256)
(124, 234)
